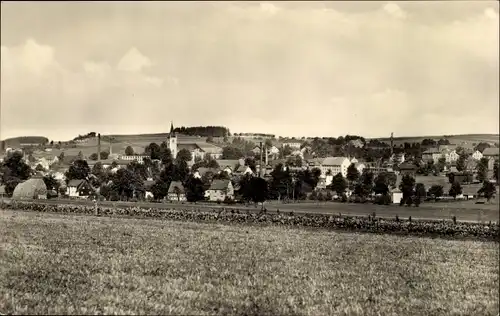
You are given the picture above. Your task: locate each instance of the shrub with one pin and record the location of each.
(443, 228)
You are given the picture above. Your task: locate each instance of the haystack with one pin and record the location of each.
(30, 189)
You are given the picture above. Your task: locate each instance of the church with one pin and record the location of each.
(196, 145)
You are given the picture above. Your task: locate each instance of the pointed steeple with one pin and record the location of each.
(171, 127)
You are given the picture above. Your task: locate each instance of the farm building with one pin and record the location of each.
(396, 195)
(79, 188)
(176, 191)
(220, 189)
(33, 188)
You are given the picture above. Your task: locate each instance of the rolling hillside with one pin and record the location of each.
(454, 139)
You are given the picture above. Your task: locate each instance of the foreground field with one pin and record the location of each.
(85, 265)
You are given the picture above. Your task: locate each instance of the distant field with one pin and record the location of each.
(52, 264)
(455, 139)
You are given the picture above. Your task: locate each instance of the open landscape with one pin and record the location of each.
(63, 264)
(250, 158)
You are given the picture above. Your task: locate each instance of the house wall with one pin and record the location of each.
(72, 192)
(174, 197)
(396, 197)
(477, 155)
(216, 195)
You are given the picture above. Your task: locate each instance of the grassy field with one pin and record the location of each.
(51, 264)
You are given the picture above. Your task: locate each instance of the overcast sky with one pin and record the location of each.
(292, 69)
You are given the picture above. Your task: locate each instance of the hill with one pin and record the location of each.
(19, 141)
(453, 139)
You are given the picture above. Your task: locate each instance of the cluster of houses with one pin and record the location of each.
(222, 189)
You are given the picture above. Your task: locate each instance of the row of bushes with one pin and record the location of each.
(448, 229)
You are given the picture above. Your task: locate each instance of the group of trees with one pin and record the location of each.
(13, 170)
(204, 131)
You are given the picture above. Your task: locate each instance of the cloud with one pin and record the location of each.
(37, 90)
(133, 61)
(269, 8)
(394, 10)
(410, 68)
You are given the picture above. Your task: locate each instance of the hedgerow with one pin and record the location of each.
(446, 229)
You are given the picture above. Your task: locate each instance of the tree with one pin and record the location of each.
(165, 154)
(281, 182)
(39, 167)
(407, 188)
(51, 183)
(210, 139)
(352, 174)
(461, 162)
(436, 191)
(420, 193)
(488, 190)
(482, 170)
(365, 186)
(104, 155)
(339, 184)
(61, 156)
(93, 157)
(441, 164)
(79, 169)
(195, 190)
(13, 171)
(287, 151)
(153, 151)
(184, 155)
(129, 151)
(127, 184)
(231, 152)
(259, 190)
(80, 155)
(495, 171)
(455, 189)
(250, 162)
(381, 184)
(101, 176)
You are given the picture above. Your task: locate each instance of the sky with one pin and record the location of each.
(285, 68)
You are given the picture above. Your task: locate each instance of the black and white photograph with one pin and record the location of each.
(249, 158)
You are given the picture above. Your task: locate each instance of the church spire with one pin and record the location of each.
(171, 127)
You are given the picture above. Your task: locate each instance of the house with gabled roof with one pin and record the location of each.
(491, 152)
(176, 191)
(228, 165)
(243, 170)
(80, 188)
(220, 190)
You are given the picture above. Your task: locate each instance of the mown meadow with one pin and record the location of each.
(68, 264)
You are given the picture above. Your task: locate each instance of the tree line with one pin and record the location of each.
(203, 131)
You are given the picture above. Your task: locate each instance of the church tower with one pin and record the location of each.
(172, 141)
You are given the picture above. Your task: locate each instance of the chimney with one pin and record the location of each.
(261, 166)
(98, 147)
(267, 154)
(392, 144)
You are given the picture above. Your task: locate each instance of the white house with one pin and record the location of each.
(138, 158)
(292, 144)
(335, 164)
(397, 195)
(451, 155)
(220, 189)
(360, 166)
(79, 188)
(273, 150)
(432, 154)
(477, 155)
